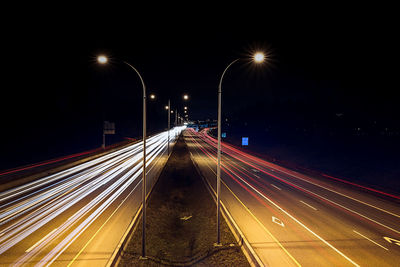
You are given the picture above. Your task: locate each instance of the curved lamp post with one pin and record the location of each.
(103, 60)
(258, 58)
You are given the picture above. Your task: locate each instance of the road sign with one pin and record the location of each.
(245, 141)
(109, 127)
(223, 135)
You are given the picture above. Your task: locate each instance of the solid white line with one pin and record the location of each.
(296, 220)
(370, 240)
(366, 217)
(309, 191)
(276, 187)
(336, 192)
(300, 223)
(308, 205)
(40, 241)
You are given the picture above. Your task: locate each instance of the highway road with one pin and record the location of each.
(294, 219)
(78, 216)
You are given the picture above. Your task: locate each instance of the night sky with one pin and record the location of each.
(322, 61)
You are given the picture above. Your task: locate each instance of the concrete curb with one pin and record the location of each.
(247, 250)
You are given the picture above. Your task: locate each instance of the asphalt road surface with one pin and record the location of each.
(293, 219)
(78, 216)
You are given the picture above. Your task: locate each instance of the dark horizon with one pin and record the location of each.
(336, 61)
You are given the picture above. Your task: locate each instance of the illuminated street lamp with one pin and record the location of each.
(103, 60)
(258, 58)
(186, 97)
(152, 96)
(185, 108)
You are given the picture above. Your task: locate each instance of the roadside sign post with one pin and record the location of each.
(108, 128)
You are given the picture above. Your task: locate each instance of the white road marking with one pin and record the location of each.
(257, 176)
(308, 205)
(276, 187)
(336, 192)
(255, 170)
(395, 241)
(40, 241)
(300, 223)
(185, 218)
(370, 240)
(296, 220)
(277, 221)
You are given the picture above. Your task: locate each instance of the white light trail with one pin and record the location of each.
(28, 208)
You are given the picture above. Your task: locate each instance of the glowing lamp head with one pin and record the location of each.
(166, 107)
(102, 59)
(152, 96)
(259, 57)
(185, 107)
(186, 97)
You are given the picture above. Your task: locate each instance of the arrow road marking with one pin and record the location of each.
(277, 221)
(392, 240)
(185, 218)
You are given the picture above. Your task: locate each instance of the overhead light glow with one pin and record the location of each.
(259, 57)
(102, 59)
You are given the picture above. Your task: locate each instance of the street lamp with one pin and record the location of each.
(152, 96)
(103, 60)
(258, 58)
(186, 97)
(169, 121)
